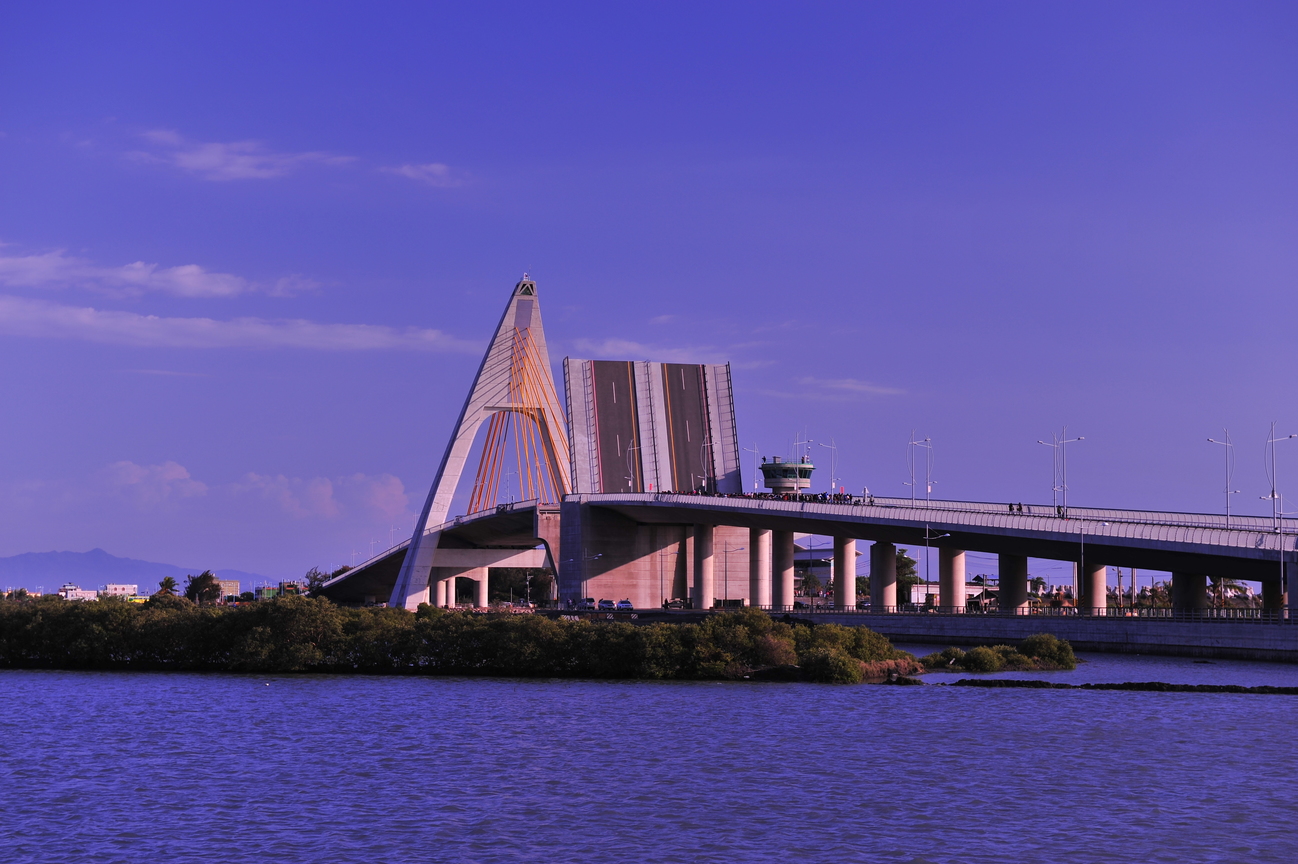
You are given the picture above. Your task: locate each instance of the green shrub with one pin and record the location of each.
(944, 659)
(982, 659)
(832, 666)
(1049, 652)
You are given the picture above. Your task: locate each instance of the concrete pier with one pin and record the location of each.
(1189, 591)
(883, 576)
(479, 575)
(1272, 596)
(440, 596)
(844, 573)
(951, 592)
(759, 567)
(704, 572)
(782, 569)
(1013, 582)
(1095, 595)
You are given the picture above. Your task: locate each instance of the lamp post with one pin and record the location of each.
(754, 451)
(584, 558)
(1229, 453)
(1059, 475)
(1277, 500)
(927, 444)
(833, 463)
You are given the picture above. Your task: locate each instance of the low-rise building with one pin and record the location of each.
(229, 587)
(121, 590)
(75, 592)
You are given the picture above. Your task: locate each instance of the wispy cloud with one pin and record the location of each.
(832, 390)
(21, 316)
(432, 173)
(625, 349)
(57, 269)
(232, 160)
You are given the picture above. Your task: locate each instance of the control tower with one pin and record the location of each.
(787, 477)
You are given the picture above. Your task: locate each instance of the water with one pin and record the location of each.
(100, 767)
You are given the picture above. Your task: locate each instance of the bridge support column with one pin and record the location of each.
(1095, 589)
(844, 573)
(479, 574)
(1013, 596)
(704, 584)
(1272, 596)
(759, 567)
(440, 596)
(951, 593)
(883, 577)
(450, 592)
(1189, 592)
(782, 569)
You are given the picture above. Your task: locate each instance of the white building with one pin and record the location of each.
(117, 590)
(73, 592)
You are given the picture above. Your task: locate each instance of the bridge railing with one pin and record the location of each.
(1082, 526)
(1254, 616)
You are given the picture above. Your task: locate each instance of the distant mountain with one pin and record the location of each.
(49, 570)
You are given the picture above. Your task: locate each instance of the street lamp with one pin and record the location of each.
(1059, 476)
(584, 558)
(1277, 500)
(754, 451)
(927, 443)
(833, 463)
(1230, 470)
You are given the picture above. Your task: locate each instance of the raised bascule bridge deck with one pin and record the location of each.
(594, 469)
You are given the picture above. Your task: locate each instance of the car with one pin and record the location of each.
(624, 604)
(674, 603)
(586, 603)
(607, 604)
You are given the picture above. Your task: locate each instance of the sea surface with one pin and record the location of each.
(109, 767)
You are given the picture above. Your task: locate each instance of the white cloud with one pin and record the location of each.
(832, 390)
(296, 497)
(234, 160)
(323, 498)
(36, 318)
(59, 270)
(625, 349)
(152, 485)
(432, 173)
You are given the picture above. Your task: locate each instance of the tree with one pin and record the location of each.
(166, 588)
(907, 575)
(315, 580)
(810, 585)
(203, 588)
(1223, 589)
(1038, 584)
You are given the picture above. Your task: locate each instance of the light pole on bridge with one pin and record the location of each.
(1059, 475)
(1230, 470)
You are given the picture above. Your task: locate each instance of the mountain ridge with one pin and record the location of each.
(49, 570)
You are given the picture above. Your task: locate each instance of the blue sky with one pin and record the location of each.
(252, 252)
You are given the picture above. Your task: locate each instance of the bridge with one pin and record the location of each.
(598, 476)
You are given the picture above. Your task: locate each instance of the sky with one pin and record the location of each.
(250, 254)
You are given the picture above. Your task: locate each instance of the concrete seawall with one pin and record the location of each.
(1224, 640)
(1236, 640)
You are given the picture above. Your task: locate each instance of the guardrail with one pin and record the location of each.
(1080, 526)
(1255, 616)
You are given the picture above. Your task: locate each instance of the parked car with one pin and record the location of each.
(624, 604)
(676, 603)
(798, 604)
(586, 603)
(607, 604)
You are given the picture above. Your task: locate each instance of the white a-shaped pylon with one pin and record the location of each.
(514, 383)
